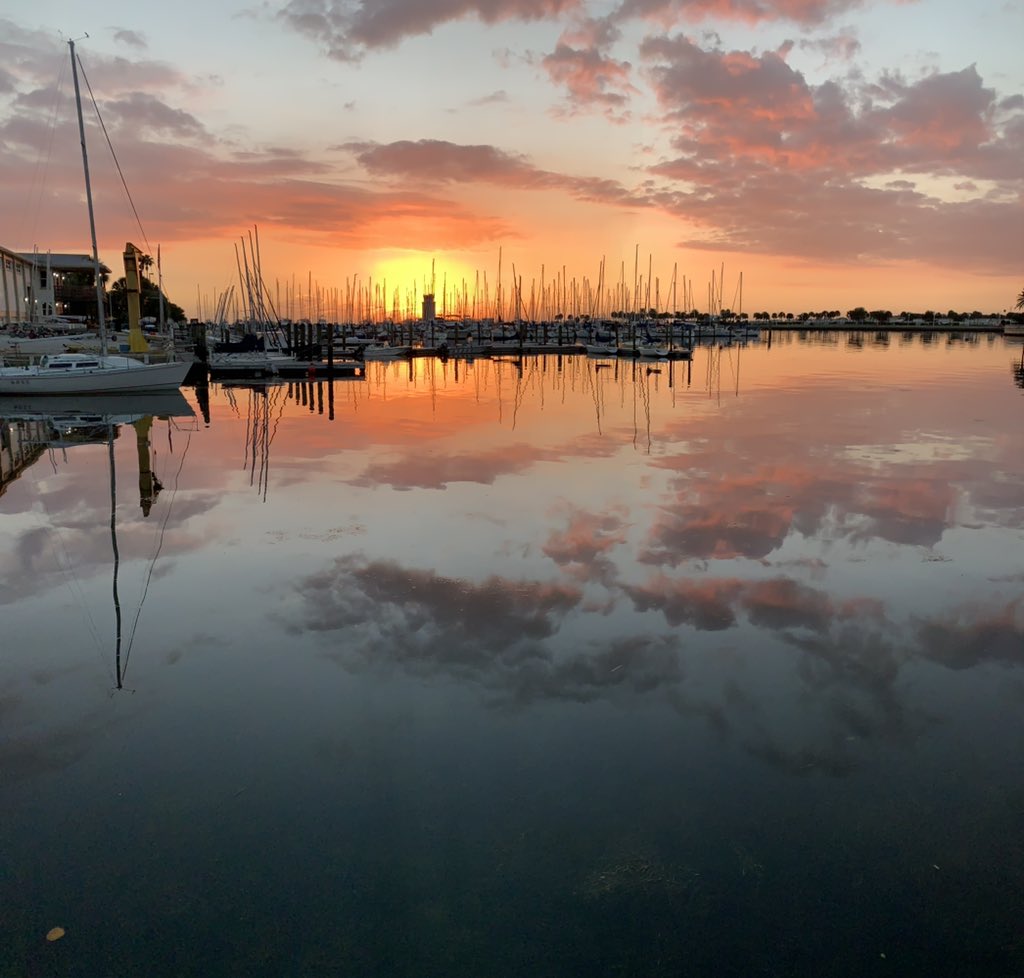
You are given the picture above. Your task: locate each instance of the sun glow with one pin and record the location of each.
(400, 283)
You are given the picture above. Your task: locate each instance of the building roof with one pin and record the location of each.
(62, 262)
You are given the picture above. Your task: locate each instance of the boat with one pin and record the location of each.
(598, 344)
(650, 349)
(83, 373)
(385, 351)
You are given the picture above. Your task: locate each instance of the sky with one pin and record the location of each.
(776, 155)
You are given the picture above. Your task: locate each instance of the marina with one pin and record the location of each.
(574, 530)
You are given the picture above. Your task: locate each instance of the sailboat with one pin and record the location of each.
(82, 373)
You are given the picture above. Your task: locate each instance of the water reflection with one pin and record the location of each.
(675, 655)
(35, 428)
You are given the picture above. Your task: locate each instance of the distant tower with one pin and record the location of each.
(429, 313)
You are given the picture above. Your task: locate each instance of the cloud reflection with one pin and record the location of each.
(517, 640)
(964, 641)
(429, 617)
(500, 633)
(583, 549)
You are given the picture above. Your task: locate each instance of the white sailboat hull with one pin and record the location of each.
(386, 352)
(82, 374)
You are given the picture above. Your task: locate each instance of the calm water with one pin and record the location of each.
(556, 668)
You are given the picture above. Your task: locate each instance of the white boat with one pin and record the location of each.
(653, 351)
(82, 373)
(385, 351)
(250, 363)
(78, 373)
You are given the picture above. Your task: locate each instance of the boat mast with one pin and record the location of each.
(88, 196)
(161, 321)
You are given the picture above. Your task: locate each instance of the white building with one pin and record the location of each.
(16, 288)
(36, 287)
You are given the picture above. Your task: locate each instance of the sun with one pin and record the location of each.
(400, 282)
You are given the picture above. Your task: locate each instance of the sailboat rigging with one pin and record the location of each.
(78, 373)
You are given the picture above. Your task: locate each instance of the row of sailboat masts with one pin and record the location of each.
(251, 302)
(257, 305)
(716, 288)
(545, 300)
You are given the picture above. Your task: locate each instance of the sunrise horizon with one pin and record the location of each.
(834, 154)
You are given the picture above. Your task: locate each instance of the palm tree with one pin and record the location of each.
(1020, 300)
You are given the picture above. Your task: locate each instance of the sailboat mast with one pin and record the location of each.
(161, 320)
(88, 197)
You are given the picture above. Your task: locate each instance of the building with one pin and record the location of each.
(36, 287)
(429, 310)
(15, 288)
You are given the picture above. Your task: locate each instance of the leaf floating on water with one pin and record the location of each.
(55, 933)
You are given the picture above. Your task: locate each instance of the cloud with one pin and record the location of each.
(671, 12)
(492, 98)
(754, 156)
(591, 78)
(131, 38)
(187, 185)
(346, 29)
(443, 162)
(843, 46)
(141, 112)
(767, 161)
(582, 65)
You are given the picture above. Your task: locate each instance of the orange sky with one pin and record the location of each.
(810, 146)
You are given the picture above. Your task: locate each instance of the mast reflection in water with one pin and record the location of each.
(555, 664)
(39, 425)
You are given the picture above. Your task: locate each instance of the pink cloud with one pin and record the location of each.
(582, 65)
(590, 77)
(766, 161)
(439, 161)
(189, 185)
